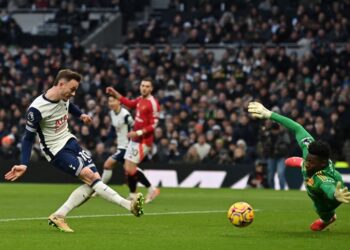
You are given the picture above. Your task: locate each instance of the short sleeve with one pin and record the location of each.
(33, 118)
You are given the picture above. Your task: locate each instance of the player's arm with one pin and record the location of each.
(129, 120)
(131, 104)
(302, 136)
(338, 192)
(32, 124)
(328, 190)
(76, 112)
(125, 101)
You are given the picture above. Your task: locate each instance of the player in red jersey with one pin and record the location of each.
(146, 120)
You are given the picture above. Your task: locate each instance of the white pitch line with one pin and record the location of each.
(117, 215)
(113, 215)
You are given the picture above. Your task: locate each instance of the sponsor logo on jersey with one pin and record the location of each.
(30, 116)
(310, 182)
(306, 141)
(61, 123)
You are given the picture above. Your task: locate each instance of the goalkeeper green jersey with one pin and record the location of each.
(321, 185)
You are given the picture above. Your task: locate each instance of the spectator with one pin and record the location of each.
(201, 148)
(8, 149)
(277, 151)
(173, 153)
(306, 87)
(192, 155)
(258, 178)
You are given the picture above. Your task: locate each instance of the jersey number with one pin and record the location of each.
(85, 156)
(134, 152)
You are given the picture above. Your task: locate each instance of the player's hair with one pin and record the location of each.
(68, 75)
(320, 149)
(148, 79)
(112, 96)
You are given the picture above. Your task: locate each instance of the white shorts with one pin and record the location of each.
(136, 152)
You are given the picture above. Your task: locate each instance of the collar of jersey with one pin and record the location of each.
(49, 99)
(117, 112)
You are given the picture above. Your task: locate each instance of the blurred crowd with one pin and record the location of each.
(203, 100)
(219, 21)
(53, 4)
(69, 17)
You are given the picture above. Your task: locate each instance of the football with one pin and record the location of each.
(240, 214)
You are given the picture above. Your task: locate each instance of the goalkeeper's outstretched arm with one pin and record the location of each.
(259, 111)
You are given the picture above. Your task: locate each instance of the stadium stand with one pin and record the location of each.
(43, 22)
(201, 92)
(261, 21)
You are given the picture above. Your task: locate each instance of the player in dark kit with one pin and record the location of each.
(323, 183)
(47, 116)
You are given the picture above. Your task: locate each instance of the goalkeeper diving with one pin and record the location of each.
(323, 183)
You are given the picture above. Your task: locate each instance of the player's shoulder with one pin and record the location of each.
(153, 101)
(38, 104)
(38, 101)
(124, 111)
(152, 98)
(323, 177)
(35, 109)
(42, 101)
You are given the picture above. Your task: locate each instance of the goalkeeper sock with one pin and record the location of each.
(77, 197)
(109, 194)
(106, 175)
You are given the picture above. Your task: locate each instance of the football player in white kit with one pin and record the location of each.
(122, 122)
(47, 116)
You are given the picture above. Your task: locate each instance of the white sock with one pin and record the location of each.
(77, 197)
(106, 175)
(132, 196)
(109, 194)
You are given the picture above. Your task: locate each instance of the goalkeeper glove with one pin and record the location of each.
(342, 194)
(258, 110)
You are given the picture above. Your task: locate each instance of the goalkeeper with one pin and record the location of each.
(323, 183)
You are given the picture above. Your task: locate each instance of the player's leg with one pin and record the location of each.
(108, 169)
(118, 158)
(295, 162)
(70, 161)
(326, 213)
(93, 179)
(130, 172)
(77, 197)
(325, 220)
(133, 156)
(281, 172)
(76, 162)
(153, 192)
(132, 185)
(108, 166)
(139, 176)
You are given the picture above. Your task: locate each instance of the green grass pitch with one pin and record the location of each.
(179, 219)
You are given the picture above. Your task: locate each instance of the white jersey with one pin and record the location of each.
(122, 122)
(50, 120)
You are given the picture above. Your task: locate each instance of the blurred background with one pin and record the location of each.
(208, 59)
